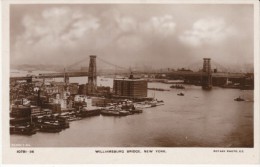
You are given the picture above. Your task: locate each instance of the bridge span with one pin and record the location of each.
(171, 73)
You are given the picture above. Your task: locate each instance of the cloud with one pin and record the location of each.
(155, 35)
(126, 24)
(54, 29)
(162, 25)
(130, 42)
(80, 28)
(205, 31)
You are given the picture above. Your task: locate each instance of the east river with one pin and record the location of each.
(198, 119)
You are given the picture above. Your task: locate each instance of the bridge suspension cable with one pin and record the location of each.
(224, 69)
(195, 65)
(78, 62)
(109, 63)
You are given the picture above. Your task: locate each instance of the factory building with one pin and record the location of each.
(130, 87)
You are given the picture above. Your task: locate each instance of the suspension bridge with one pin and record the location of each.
(204, 72)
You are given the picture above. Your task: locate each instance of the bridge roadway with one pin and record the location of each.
(172, 73)
(51, 75)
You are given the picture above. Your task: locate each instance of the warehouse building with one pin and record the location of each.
(130, 87)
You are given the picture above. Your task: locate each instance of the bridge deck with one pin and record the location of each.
(176, 73)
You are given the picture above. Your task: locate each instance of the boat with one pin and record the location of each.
(239, 99)
(131, 109)
(158, 89)
(156, 102)
(110, 112)
(180, 94)
(23, 130)
(136, 111)
(63, 122)
(50, 130)
(159, 102)
(153, 105)
(49, 127)
(124, 113)
(74, 118)
(177, 86)
(60, 121)
(146, 104)
(85, 112)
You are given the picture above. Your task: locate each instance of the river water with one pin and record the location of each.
(198, 119)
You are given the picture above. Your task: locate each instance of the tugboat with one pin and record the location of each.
(180, 94)
(239, 99)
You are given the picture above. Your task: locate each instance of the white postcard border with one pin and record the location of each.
(75, 155)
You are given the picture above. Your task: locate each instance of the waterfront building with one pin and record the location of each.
(19, 111)
(130, 87)
(51, 90)
(83, 98)
(73, 88)
(54, 107)
(82, 89)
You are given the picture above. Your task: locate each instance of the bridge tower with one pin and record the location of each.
(206, 80)
(66, 77)
(92, 78)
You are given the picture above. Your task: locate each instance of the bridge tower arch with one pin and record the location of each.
(206, 80)
(92, 78)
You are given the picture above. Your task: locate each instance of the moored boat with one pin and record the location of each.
(124, 113)
(23, 130)
(49, 127)
(110, 112)
(87, 112)
(136, 111)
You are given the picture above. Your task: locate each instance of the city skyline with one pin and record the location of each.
(132, 35)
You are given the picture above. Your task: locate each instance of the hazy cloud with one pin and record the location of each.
(147, 35)
(210, 31)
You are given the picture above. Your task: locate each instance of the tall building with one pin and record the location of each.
(92, 78)
(130, 87)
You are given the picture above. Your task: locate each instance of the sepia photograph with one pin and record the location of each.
(131, 75)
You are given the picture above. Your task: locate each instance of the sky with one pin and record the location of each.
(132, 35)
